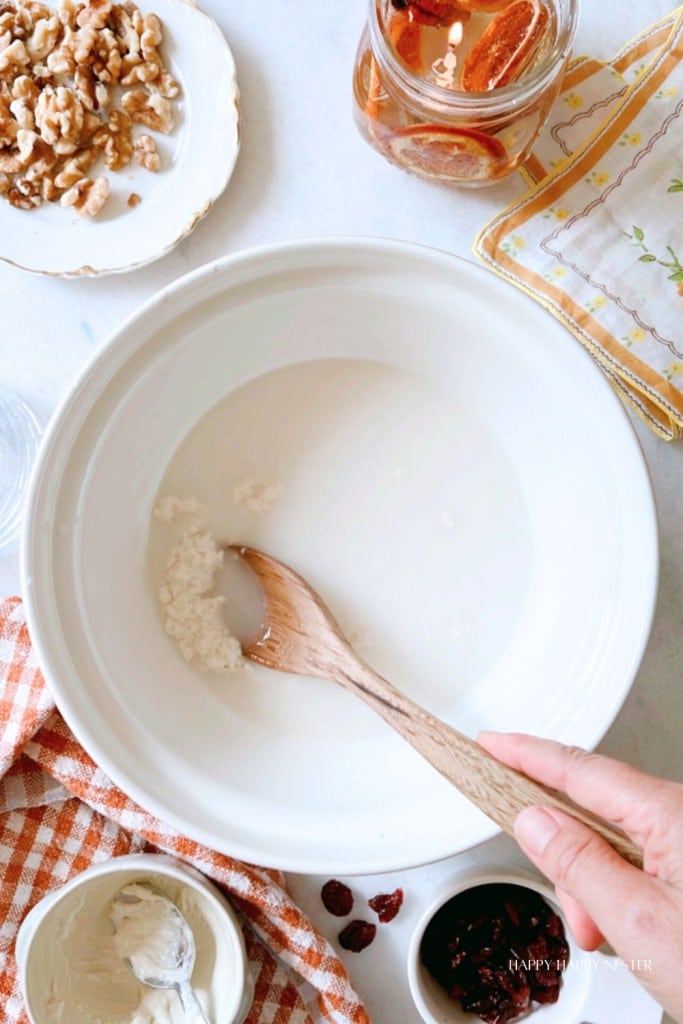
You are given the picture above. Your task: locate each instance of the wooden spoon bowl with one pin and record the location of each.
(301, 636)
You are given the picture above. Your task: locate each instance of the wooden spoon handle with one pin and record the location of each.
(496, 789)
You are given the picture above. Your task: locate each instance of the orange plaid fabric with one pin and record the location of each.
(59, 813)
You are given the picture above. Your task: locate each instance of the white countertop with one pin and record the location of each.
(304, 171)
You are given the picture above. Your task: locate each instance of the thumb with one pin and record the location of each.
(617, 897)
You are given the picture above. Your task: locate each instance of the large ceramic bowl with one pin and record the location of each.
(450, 471)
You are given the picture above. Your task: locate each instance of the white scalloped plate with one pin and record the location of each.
(459, 483)
(197, 161)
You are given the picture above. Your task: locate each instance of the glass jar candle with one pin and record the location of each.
(457, 91)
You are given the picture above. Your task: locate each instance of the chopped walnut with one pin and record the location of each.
(62, 60)
(8, 125)
(35, 10)
(48, 189)
(150, 109)
(87, 196)
(75, 168)
(43, 39)
(59, 118)
(26, 141)
(93, 94)
(67, 12)
(61, 72)
(35, 154)
(127, 33)
(167, 86)
(106, 57)
(133, 199)
(151, 37)
(13, 57)
(115, 141)
(22, 113)
(25, 194)
(95, 14)
(10, 163)
(24, 88)
(146, 153)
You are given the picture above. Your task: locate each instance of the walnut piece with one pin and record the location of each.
(43, 38)
(151, 109)
(65, 74)
(87, 196)
(115, 140)
(59, 118)
(146, 153)
(25, 194)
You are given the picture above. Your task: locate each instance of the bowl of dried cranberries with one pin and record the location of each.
(494, 946)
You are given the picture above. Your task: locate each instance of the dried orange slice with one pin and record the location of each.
(406, 37)
(504, 47)
(448, 154)
(435, 12)
(485, 6)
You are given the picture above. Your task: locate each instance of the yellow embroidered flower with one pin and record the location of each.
(559, 271)
(675, 369)
(599, 302)
(518, 242)
(637, 334)
(670, 92)
(634, 139)
(561, 213)
(601, 178)
(574, 101)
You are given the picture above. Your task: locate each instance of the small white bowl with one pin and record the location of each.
(64, 951)
(595, 988)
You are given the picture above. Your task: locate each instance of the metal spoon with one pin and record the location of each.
(301, 636)
(163, 957)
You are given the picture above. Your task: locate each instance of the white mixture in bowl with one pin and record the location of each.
(193, 612)
(76, 975)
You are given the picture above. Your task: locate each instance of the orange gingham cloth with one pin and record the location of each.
(59, 813)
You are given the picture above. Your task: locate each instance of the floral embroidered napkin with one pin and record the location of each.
(598, 238)
(59, 813)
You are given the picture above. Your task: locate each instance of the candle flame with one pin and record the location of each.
(455, 33)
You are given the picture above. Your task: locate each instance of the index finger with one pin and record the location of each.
(611, 789)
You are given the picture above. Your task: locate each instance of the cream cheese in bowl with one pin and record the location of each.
(72, 971)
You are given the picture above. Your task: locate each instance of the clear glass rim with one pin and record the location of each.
(482, 103)
(21, 430)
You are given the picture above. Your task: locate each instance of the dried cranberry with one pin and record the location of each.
(337, 898)
(387, 905)
(357, 935)
(497, 949)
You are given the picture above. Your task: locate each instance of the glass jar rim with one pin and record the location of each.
(492, 102)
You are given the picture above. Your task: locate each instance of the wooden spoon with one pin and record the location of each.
(300, 635)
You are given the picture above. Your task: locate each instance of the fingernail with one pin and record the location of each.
(534, 828)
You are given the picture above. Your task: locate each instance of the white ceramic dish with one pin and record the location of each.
(596, 988)
(197, 160)
(59, 959)
(464, 490)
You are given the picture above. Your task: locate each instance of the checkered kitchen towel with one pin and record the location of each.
(598, 238)
(59, 814)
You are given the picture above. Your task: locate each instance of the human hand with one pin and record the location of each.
(640, 913)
